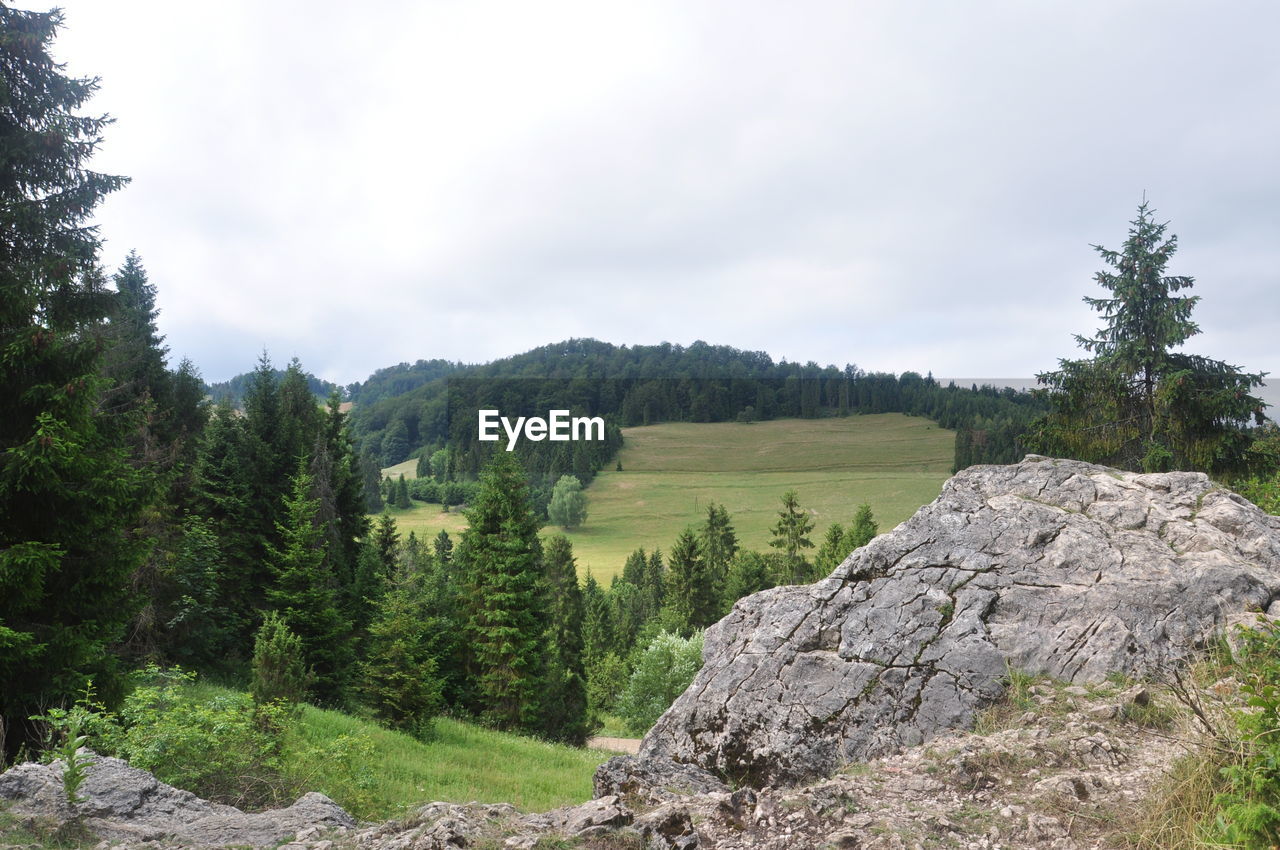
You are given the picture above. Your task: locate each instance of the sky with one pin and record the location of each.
(900, 185)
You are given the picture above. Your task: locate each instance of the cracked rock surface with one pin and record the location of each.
(1051, 567)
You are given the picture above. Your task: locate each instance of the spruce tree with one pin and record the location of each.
(506, 610)
(719, 544)
(790, 536)
(863, 529)
(399, 677)
(68, 493)
(565, 715)
(402, 494)
(692, 599)
(1139, 404)
(833, 550)
(305, 594)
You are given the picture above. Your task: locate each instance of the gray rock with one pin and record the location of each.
(123, 803)
(652, 781)
(1048, 567)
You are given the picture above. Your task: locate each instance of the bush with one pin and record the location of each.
(224, 748)
(665, 668)
(279, 674)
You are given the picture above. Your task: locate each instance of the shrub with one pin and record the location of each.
(665, 668)
(225, 747)
(279, 674)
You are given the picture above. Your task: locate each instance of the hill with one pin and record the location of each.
(671, 472)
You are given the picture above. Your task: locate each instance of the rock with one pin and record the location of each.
(125, 804)
(652, 781)
(668, 827)
(1047, 567)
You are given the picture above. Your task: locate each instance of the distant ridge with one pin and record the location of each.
(1270, 393)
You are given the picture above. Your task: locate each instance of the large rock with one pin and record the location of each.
(123, 803)
(1047, 567)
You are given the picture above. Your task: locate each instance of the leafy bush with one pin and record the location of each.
(224, 747)
(1250, 807)
(665, 668)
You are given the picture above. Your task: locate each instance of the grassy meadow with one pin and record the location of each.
(893, 462)
(464, 762)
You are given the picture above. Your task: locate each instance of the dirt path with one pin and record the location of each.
(615, 745)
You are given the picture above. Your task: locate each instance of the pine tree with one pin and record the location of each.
(402, 494)
(68, 493)
(863, 529)
(1138, 404)
(833, 550)
(749, 573)
(279, 671)
(442, 549)
(506, 597)
(399, 678)
(692, 599)
(371, 481)
(719, 543)
(790, 535)
(305, 594)
(565, 714)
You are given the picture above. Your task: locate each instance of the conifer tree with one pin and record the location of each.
(400, 675)
(833, 550)
(749, 573)
(863, 529)
(402, 494)
(719, 543)
(442, 549)
(1139, 404)
(565, 713)
(790, 535)
(305, 594)
(68, 493)
(506, 598)
(692, 599)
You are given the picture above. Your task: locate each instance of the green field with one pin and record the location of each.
(671, 472)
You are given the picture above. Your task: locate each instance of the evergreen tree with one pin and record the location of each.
(1138, 404)
(719, 543)
(371, 481)
(749, 573)
(692, 600)
(863, 529)
(833, 550)
(790, 535)
(565, 716)
(279, 671)
(68, 492)
(305, 595)
(399, 677)
(506, 598)
(402, 494)
(568, 506)
(442, 549)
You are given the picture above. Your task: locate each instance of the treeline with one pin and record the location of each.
(234, 390)
(640, 385)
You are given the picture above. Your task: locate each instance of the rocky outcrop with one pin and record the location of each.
(124, 804)
(1046, 567)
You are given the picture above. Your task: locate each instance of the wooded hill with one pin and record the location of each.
(418, 409)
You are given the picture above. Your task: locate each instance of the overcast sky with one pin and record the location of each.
(900, 185)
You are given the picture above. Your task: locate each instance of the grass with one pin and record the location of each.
(671, 472)
(464, 763)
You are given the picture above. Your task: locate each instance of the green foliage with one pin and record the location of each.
(663, 671)
(1250, 807)
(790, 536)
(69, 494)
(750, 573)
(505, 614)
(565, 702)
(691, 593)
(606, 678)
(399, 678)
(402, 494)
(280, 673)
(305, 593)
(832, 551)
(568, 506)
(1138, 404)
(65, 728)
(863, 530)
(224, 747)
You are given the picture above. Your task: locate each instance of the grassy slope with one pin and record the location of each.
(893, 462)
(462, 764)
